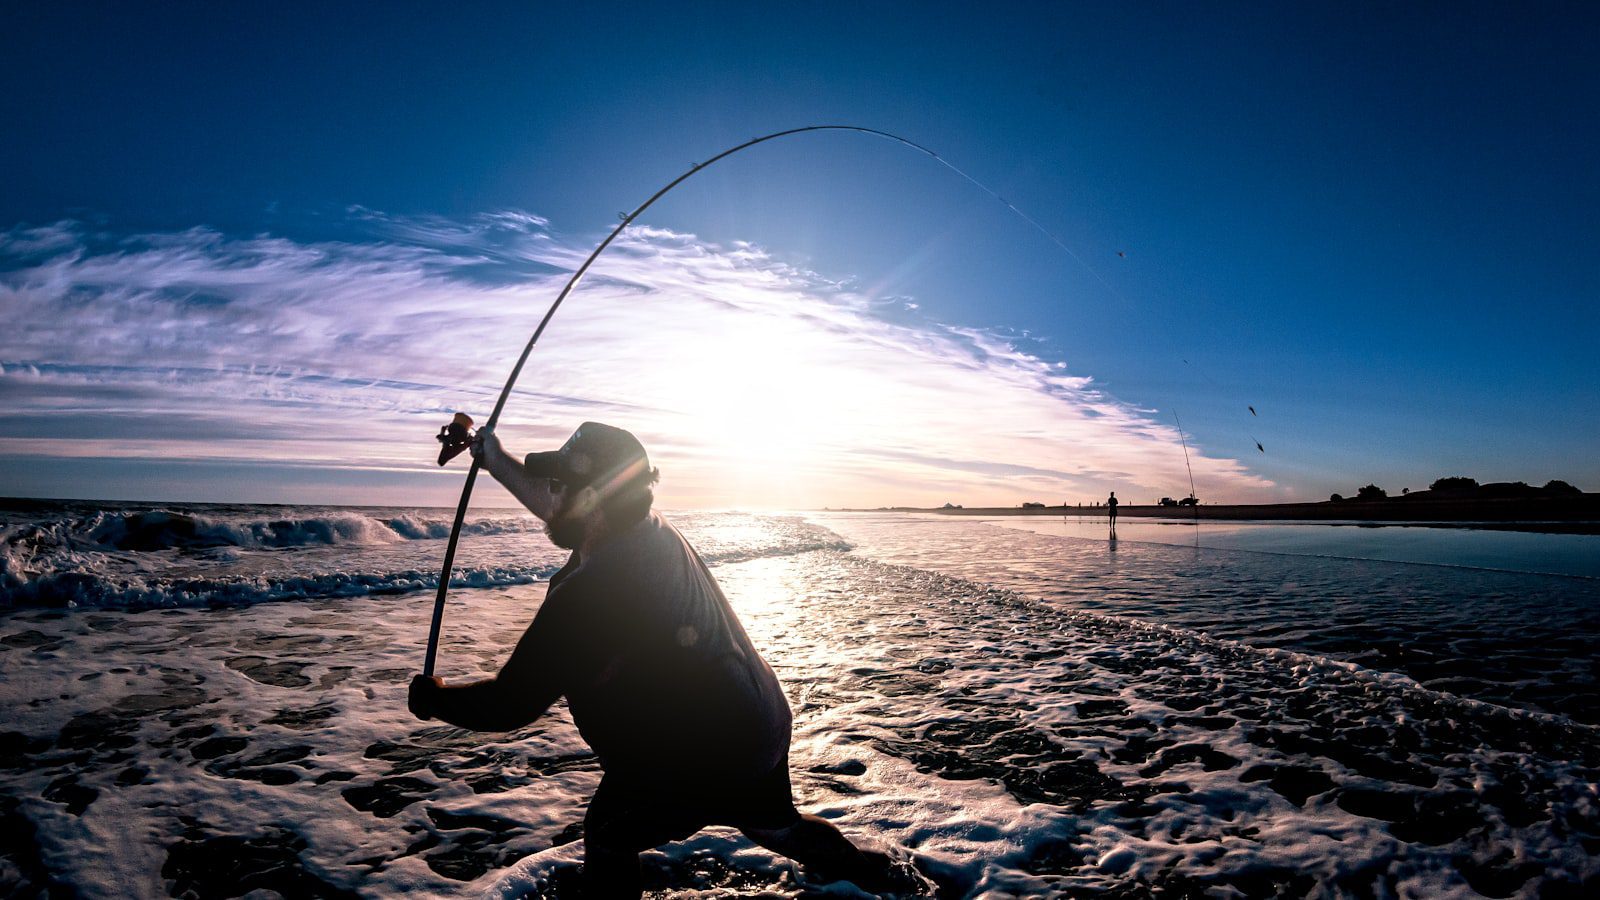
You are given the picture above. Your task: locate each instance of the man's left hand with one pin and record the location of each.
(486, 447)
(424, 688)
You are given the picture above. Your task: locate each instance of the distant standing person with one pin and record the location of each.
(1111, 508)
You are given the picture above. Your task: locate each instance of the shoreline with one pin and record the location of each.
(1577, 515)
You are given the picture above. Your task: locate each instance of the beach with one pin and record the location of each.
(1017, 714)
(1143, 453)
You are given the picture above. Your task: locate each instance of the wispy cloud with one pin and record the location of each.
(754, 382)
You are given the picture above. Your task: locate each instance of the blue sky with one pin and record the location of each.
(1373, 224)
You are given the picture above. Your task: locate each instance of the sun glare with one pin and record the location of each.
(765, 399)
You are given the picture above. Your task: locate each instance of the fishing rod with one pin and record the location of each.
(1190, 470)
(457, 436)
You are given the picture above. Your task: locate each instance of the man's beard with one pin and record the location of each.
(566, 533)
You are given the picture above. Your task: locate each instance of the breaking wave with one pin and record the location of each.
(215, 555)
(148, 531)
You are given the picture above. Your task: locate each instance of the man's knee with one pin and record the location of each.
(766, 837)
(807, 839)
(610, 871)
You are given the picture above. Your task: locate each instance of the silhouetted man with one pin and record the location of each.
(689, 723)
(1111, 509)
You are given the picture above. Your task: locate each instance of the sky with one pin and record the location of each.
(261, 254)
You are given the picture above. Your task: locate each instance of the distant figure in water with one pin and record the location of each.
(689, 722)
(1111, 509)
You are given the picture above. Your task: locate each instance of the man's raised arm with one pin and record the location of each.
(510, 472)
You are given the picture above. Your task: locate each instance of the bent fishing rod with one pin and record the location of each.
(457, 436)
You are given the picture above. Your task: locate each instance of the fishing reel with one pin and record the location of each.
(455, 437)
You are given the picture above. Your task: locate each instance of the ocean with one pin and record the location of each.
(208, 701)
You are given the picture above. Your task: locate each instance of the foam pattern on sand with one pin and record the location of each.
(1010, 748)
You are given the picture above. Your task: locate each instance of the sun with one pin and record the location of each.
(765, 400)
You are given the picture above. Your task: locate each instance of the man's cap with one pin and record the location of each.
(597, 455)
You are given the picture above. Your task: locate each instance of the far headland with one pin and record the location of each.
(1449, 502)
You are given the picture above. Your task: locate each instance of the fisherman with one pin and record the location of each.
(1111, 509)
(689, 722)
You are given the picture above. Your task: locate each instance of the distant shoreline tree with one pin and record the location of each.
(1461, 489)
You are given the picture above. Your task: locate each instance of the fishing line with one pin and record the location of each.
(627, 219)
(1250, 406)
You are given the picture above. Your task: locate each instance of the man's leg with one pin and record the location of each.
(815, 843)
(620, 823)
